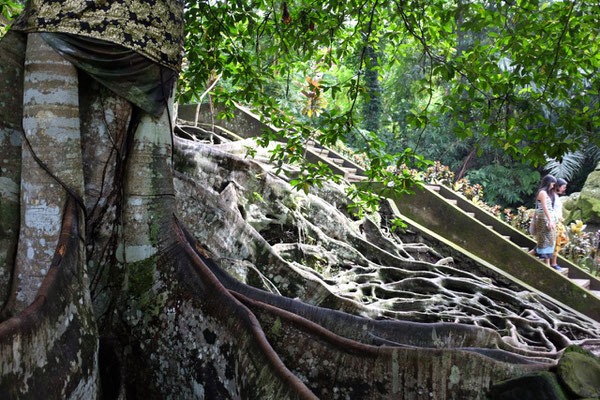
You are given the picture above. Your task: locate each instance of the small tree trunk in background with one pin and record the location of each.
(373, 109)
(465, 165)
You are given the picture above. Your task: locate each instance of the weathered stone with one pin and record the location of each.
(569, 204)
(541, 386)
(580, 373)
(587, 205)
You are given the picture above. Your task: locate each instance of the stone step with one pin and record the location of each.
(525, 249)
(565, 272)
(490, 227)
(506, 237)
(471, 214)
(595, 293)
(337, 161)
(350, 171)
(452, 201)
(321, 151)
(433, 187)
(355, 178)
(584, 283)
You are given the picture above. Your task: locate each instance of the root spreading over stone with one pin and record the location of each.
(308, 246)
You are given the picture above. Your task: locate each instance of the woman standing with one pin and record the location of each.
(561, 232)
(545, 221)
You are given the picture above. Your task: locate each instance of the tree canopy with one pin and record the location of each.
(524, 74)
(518, 79)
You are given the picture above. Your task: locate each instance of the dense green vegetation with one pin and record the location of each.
(516, 82)
(493, 89)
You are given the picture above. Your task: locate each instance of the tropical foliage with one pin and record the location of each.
(516, 82)
(575, 166)
(520, 76)
(8, 10)
(583, 247)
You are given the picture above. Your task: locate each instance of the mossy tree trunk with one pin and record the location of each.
(268, 293)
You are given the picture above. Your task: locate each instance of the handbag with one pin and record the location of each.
(532, 224)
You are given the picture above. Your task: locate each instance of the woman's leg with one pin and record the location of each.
(547, 261)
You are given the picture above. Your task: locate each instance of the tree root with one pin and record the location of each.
(357, 260)
(51, 347)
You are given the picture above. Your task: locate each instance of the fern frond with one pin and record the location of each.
(569, 165)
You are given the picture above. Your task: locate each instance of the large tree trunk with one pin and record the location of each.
(12, 48)
(268, 292)
(50, 349)
(51, 127)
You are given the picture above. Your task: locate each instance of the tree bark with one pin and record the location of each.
(50, 349)
(12, 48)
(465, 165)
(51, 127)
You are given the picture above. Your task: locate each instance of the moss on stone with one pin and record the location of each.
(587, 205)
(580, 373)
(541, 386)
(580, 350)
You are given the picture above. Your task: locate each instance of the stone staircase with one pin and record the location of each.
(349, 170)
(354, 173)
(524, 242)
(570, 285)
(459, 221)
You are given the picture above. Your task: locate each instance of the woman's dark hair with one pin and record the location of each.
(560, 182)
(545, 184)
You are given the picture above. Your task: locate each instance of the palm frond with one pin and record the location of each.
(593, 153)
(569, 165)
